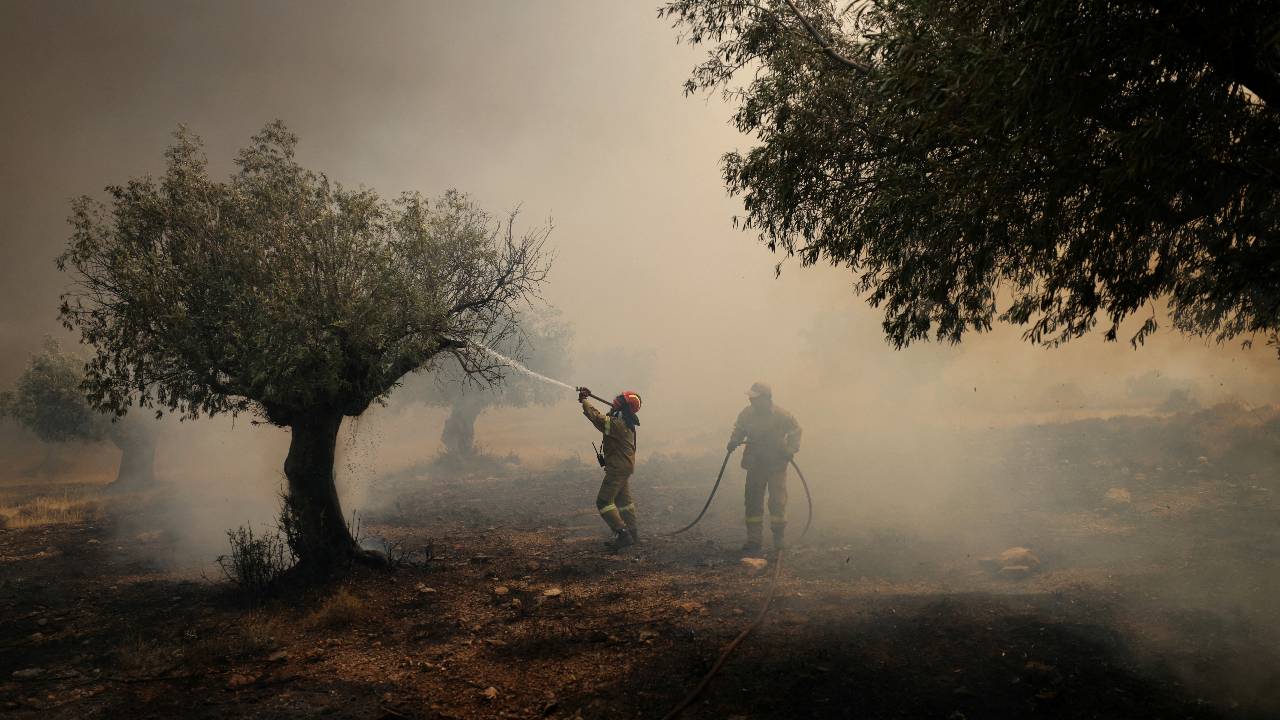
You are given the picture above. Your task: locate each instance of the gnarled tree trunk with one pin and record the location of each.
(459, 434)
(317, 529)
(138, 456)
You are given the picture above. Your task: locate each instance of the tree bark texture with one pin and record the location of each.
(317, 531)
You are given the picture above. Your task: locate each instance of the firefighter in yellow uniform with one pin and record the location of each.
(619, 452)
(772, 436)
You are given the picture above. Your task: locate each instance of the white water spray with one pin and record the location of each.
(519, 366)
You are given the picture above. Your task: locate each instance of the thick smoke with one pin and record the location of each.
(573, 112)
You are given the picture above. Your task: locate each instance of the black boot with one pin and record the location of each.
(621, 539)
(634, 532)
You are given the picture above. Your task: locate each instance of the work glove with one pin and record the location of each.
(583, 394)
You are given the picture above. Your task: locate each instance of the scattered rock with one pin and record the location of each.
(42, 622)
(1019, 556)
(29, 673)
(754, 566)
(239, 680)
(1118, 499)
(1016, 562)
(1036, 667)
(552, 592)
(490, 693)
(646, 636)
(278, 656)
(148, 537)
(1015, 571)
(689, 606)
(501, 590)
(92, 541)
(424, 590)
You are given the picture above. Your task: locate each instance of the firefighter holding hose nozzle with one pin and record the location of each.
(772, 437)
(617, 455)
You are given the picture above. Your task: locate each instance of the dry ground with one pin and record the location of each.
(868, 623)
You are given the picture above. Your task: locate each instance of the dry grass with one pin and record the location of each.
(48, 510)
(253, 636)
(339, 610)
(137, 656)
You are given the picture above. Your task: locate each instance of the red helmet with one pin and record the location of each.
(631, 399)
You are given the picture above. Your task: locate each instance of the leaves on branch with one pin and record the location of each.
(280, 291)
(1045, 164)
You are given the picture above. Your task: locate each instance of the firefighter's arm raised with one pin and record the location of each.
(593, 415)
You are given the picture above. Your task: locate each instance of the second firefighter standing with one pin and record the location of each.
(618, 456)
(772, 437)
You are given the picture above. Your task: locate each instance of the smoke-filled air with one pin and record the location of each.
(614, 359)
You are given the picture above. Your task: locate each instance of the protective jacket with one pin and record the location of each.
(619, 446)
(772, 437)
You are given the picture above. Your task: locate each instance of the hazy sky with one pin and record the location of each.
(572, 111)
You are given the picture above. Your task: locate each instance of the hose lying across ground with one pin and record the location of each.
(768, 598)
(728, 650)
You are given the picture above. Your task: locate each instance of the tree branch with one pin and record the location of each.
(826, 46)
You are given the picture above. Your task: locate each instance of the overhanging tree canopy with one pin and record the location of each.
(285, 294)
(1043, 163)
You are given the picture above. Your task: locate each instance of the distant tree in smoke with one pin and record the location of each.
(49, 400)
(284, 294)
(542, 344)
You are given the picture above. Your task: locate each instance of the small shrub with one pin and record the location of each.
(256, 562)
(339, 610)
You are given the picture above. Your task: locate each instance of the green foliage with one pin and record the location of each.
(281, 292)
(48, 399)
(1040, 163)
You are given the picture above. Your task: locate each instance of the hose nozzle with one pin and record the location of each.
(593, 396)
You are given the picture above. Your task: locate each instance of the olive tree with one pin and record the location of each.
(1049, 164)
(282, 293)
(48, 399)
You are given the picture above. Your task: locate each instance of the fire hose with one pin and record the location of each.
(768, 598)
(720, 476)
